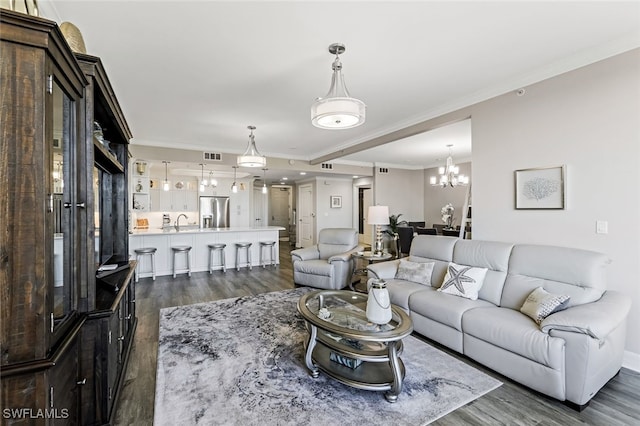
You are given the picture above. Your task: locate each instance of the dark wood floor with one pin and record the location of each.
(618, 403)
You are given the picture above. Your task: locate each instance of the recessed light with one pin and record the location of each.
(356, 176)
(303, 173)
(285, 178)
(281, 183)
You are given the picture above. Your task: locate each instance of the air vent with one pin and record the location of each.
(327, 166)
(383, 170)
(212, 156)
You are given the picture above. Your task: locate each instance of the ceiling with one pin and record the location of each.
(194, 74)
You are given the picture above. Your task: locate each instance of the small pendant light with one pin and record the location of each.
(264, 181)
(165, 183)
(234, 186)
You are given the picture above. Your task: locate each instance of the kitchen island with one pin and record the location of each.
(198, 239)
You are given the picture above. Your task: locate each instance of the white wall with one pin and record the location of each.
(401, 190)
(436, 197)
(327, 217)
(588, 119)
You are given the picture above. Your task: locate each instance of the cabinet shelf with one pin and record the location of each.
(105, 159)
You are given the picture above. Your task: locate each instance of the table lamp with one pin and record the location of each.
(378, 215)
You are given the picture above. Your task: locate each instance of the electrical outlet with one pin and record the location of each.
(602, 227)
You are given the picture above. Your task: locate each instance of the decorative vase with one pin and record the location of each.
(378, 302)
(73, 36)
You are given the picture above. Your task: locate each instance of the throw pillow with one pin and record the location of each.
(464, 281)
(540, 304)
(417, 272)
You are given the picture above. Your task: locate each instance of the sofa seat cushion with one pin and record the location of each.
(314, 267)
(517, 333)
(400, 290)
(443, 308)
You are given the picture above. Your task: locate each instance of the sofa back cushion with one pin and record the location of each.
(492, 255)
(580, 274)
(332, 241)
(432, 248)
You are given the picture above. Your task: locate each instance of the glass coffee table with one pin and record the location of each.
(347, 347)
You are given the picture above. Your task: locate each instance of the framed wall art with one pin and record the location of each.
(541, 188)
(336, 201)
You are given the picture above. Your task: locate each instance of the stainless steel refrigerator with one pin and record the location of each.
(214, 212)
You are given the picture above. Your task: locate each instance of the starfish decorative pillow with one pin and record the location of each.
(464, 281)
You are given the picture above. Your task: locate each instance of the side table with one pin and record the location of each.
(368, 257)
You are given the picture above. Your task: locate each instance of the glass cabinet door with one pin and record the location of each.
(62, 202)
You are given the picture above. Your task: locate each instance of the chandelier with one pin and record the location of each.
(337, 110)
(251, 157)
(449, 175)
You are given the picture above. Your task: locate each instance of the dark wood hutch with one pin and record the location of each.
(65, 336)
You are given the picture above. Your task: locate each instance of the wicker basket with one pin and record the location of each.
(73, 36)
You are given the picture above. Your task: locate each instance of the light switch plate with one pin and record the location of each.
(602, 227)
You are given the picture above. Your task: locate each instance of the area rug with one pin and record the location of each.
(240, 361)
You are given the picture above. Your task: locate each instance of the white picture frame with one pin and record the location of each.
(540, 188)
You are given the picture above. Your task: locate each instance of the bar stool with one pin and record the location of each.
(247, 248)
(178, 250)
(271, 245)
(213, 248)
(146, 251)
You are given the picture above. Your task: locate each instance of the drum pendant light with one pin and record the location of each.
(337, 110)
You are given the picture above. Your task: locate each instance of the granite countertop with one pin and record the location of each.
(190, 229)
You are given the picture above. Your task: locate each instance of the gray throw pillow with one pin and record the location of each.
(540, 304)
(417, 272)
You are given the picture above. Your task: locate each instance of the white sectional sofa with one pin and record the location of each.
(569, 355)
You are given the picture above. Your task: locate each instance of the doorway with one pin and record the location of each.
(364, 201)
(280, 209)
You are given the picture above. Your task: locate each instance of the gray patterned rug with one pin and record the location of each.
(241, 362)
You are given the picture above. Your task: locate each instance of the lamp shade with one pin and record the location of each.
(337, 113)
(378, 215)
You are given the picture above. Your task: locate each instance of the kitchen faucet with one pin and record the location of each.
(177, 224)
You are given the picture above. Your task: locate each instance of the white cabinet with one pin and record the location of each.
(177, 200)
(192, 201)
(184, 200)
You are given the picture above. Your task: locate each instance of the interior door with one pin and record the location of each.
(307, 215)
(260, 217)
(280, 207)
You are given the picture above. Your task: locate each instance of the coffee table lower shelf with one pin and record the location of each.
(374, 376)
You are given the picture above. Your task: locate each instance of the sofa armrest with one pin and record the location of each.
(385, 270)
(346, 256)
(307, 253)
(596, 319)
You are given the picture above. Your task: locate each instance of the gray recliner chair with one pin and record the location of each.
(327, 265)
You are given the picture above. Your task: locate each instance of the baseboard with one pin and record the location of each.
(631, 361)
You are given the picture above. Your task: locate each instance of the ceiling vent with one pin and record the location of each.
(383, 170)
(327, 166)
(212, 156)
